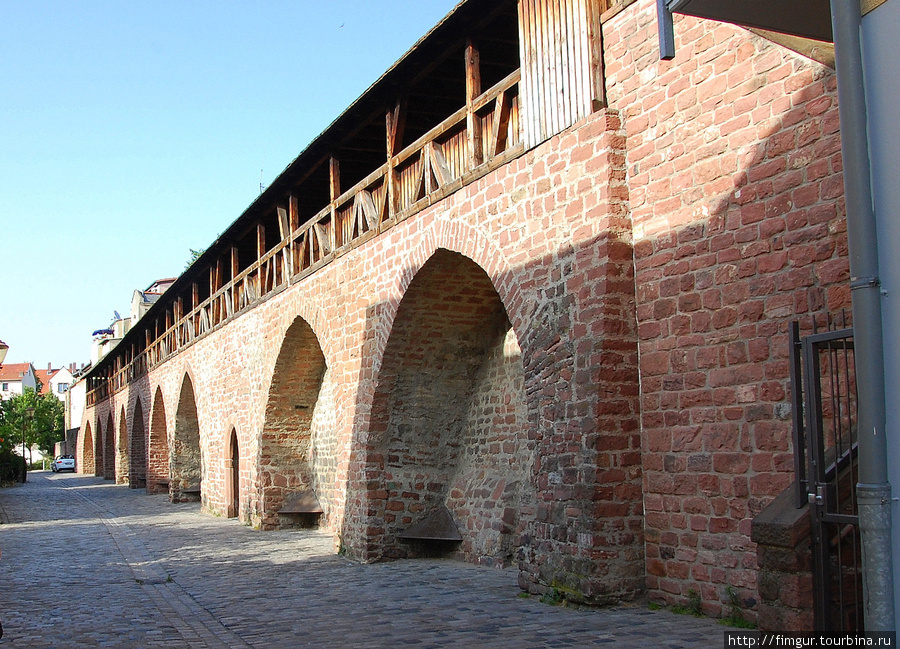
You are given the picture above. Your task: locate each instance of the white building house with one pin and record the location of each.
(56, 381)
(15, 377)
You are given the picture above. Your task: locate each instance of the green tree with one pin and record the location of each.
(42, 429)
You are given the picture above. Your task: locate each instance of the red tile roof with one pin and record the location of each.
(44, 376)
(13, 371)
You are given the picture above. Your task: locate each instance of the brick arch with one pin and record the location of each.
(448, 424)
(158, 470)
(290, 460)
(137, 472)
(109, 449)
(470, 242)
(122, 446)
(86, 457)
(187, 458)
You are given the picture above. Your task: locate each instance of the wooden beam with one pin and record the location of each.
(284, 226)
(866, 6)
(334, 177)
(235, 271)
(473, 89)
(395, 124)
(294, 225)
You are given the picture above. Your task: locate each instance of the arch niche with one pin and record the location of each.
(187, 461)
(122, 451)
(158, 473)
(109, 449)
(448, 431)
(298, 455)
(137, 472)
(87, 466)
(233, 476)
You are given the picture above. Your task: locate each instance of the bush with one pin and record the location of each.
(10, 466)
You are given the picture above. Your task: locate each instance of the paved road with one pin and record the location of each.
(90, 564)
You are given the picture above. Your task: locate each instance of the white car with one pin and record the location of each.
(63, 463)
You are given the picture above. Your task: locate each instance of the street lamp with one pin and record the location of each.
(3, 349)
(29, 413)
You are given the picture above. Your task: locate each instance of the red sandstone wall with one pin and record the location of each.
(735, 191)
(552, 233)
(724, 172)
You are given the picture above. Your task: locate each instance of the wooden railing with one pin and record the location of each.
(473, 141)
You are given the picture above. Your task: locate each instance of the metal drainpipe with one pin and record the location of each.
(873, 492)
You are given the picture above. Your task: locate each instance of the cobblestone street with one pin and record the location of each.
(89, 564)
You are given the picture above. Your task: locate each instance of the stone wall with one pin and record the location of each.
(547, 463)
(736, 196)
(582, 355)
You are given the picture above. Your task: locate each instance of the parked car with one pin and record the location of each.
(63, 463)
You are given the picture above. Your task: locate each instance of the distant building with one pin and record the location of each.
(56, 381)
(141, 301)
(15, 377)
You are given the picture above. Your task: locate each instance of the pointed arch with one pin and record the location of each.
(448, 423)
(158, 470)
(187, 459)
(122, 456)
(233, 476)
(293, 457)
(109, 449)
(137, 471)
(86, 462)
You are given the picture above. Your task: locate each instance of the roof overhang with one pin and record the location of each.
(805, 18)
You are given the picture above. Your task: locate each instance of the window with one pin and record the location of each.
(5, 387)
(62, 387)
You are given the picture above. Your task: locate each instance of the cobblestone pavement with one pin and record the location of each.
(89, 564)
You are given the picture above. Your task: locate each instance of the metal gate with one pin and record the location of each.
(823, 391)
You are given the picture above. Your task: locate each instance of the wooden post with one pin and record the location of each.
(235, 271)
(473, 90)
(195, 304)
(395, 122)
(260, 251)
(294, 225)
(334, 186)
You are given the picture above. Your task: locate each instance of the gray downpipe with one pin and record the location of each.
(873, 491)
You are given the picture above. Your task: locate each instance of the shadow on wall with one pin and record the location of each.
(295, 458)
(736, 197)
(187, 460)
(528, 442)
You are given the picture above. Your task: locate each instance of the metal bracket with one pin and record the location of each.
(666, 29)
(864, 282)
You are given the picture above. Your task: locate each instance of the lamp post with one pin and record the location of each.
(29, 413)
(3, 349)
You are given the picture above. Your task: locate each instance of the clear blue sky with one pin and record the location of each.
(131, 132)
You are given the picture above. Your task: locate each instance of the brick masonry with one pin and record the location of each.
(736, 197)
(582, 355)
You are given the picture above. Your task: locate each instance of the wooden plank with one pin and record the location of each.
(369, 211)
(284, 226)
(866, 6)
(323, 238)
(526, 60)
(500, 124)
(439, 164)
(595, 43)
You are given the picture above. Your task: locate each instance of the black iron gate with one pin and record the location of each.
(823, 391)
